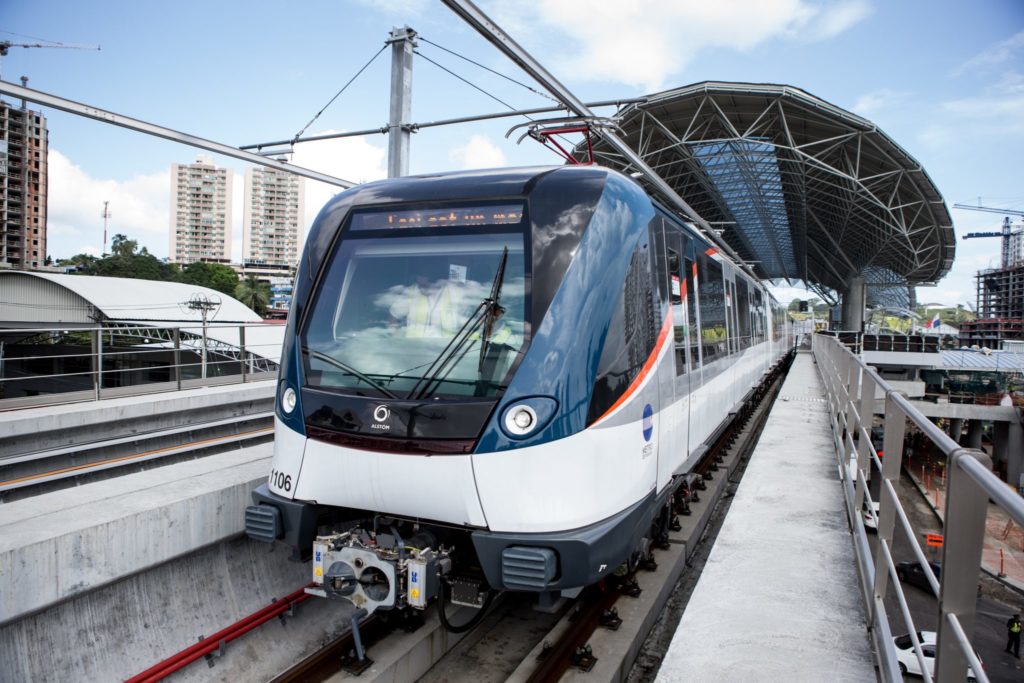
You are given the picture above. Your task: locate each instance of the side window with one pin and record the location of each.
(675, 248)
(711, 293)
(631, 336)
(660, 270)
(730, 317)
(690, 271)
(743, 333)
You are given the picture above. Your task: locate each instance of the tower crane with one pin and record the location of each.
(1006, 232)
(6, 45)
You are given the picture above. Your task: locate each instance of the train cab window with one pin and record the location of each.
(743, 333)
(631, 337)
(389, 307)
(711, 293)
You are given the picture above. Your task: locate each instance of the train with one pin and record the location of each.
(500, 380)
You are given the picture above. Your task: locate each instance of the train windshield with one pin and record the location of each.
(413, 316)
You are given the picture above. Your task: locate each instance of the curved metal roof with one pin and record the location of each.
(800, 188)
(56, 298)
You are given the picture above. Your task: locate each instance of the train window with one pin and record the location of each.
(742, 314)
(689, 272)
(757, 315)
(711, 294)
(387, 309)
(677, 288)
(631, 336)
(660, 270)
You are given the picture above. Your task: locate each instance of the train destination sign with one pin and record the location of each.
(503, 214)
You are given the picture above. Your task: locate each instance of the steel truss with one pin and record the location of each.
(802, 189)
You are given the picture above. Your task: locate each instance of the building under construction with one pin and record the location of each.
(1000, 298)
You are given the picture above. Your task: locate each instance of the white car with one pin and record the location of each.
(870, 515)
(907, 659)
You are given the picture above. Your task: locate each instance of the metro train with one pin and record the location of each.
(497, 381)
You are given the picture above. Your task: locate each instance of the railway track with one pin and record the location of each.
(26, 474)
(597, 632)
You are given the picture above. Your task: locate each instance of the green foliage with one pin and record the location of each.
(254, 294)
(213, 275)
(125, 260)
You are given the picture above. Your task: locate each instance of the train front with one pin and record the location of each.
(415, 305)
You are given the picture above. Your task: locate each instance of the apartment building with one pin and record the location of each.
(200, 212)
(272, 217)
(23, 187)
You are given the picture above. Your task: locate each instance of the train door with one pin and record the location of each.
(676, 246)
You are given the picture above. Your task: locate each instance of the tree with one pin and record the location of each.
(254, 294)
(120, 245)
(213, 275)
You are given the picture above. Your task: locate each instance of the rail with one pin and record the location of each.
(852, 387)
(45, 366)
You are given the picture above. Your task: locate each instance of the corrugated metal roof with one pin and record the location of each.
(1000, 361)
(31, 297)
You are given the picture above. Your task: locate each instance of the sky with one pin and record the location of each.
(943, 78)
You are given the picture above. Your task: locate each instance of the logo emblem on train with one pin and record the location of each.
(648, 422)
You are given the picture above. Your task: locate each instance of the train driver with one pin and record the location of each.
(428, 309)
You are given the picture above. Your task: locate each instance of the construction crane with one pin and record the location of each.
(1006, 232)
(6, 45)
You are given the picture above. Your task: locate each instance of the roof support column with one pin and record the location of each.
(853, 305)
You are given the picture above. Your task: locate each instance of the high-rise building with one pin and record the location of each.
(23, 145)
(272, 217)
(200, 212)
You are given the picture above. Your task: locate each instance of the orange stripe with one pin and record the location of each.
(666, 328)
(711, 251)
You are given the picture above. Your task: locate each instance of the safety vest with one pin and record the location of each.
(432, 316)
(1015, 627)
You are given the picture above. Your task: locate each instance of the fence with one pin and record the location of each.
(852, 388)
(47, 366)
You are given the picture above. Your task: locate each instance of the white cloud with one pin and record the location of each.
(873, 102)
(999, 53)
(138, 209)
(642, 42)
(478, 152)
(352, 159)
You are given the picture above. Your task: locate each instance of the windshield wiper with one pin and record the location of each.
(449, 353)
(349, 369)
(486, 312)
(494, 309)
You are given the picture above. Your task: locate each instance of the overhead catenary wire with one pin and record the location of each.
(477, 87)
(338, 94)
(487, 68)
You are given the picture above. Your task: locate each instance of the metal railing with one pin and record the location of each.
(83, 364)
(852, 388)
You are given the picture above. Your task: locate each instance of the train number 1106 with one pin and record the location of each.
(280, 480)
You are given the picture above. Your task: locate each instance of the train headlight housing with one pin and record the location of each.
(521, 420)
(288, 400)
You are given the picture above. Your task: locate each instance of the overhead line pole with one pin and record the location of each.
(97, 114)
(486, 27)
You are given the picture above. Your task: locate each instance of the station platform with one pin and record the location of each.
(778, 596)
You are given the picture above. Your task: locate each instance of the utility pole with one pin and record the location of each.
(106, 216)
(402, 43)
(203, 304)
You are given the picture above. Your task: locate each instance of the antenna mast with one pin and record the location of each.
(106, 217)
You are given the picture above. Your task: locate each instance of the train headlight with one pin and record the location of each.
(521, 420)
(288, 400)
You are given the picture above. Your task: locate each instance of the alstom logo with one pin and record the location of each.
(380, 415)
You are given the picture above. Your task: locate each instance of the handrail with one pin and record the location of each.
(208, 361)
(851, 390)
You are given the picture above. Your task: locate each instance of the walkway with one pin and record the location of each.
(778, 598)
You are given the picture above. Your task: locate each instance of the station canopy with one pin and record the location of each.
(799, 188)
